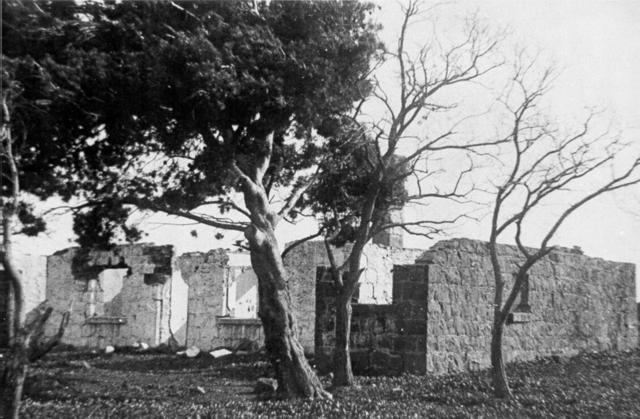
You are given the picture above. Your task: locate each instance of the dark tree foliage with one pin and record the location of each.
(169, 106)
(348, 172)
(198, 82)
(100, 84)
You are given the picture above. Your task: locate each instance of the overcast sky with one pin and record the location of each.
(596, 44)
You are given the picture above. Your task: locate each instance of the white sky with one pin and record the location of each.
(597, 45)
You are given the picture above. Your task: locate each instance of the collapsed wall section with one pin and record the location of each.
(223, 300)
(118, 297)
(387, 339)
(375, 285)
(204, 274)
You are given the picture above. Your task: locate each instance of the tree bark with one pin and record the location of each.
(27, 346)
(13, 377)
(295, 377)
(11, 310)
(498, 373)
(342, 371)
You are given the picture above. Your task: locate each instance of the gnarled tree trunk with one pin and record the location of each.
(293, 372)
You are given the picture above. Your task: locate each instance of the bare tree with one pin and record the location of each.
(543, 164)
(390, 162)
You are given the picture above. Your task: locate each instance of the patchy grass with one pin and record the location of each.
(145, 385)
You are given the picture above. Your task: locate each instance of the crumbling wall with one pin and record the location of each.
(375, 285)
(385, 339)
(241, 296)
(33, 269)
(205, 275)
(122, 309)
(441, 315)
(223, 299)
(578, 303)
(179, 302)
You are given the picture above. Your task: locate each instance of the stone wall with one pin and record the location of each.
(233, 331)
(578, 303)
(143, 293)
(33, 269)
(119, 297)
(385, 339)
(223, 299)
(375, 285)
(441, 315)
(204, 273)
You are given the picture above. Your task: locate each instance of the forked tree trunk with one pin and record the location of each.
(498, 372)
(342, 371)
(13, 377)
(294, 374)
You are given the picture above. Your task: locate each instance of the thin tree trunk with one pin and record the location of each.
(23, 348)
(293, 372)
(498, 372)
(13, 378)
(342, 371)
(11, 310)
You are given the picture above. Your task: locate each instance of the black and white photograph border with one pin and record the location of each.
(301, 208)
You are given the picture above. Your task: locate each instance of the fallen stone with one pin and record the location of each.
(265, 385)
(135, 345)
(143, 346)
(219, 353)
(181, 352)
(192, 352)
(109, 349)
(247, 345)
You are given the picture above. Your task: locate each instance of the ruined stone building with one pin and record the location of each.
(416, 311)
(440, 317)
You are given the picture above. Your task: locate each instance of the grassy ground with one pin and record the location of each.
(75, 385)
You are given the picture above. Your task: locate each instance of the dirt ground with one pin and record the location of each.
(127, 385)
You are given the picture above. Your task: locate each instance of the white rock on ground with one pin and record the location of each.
(109, 349)
(218, 353)
(192, 352)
